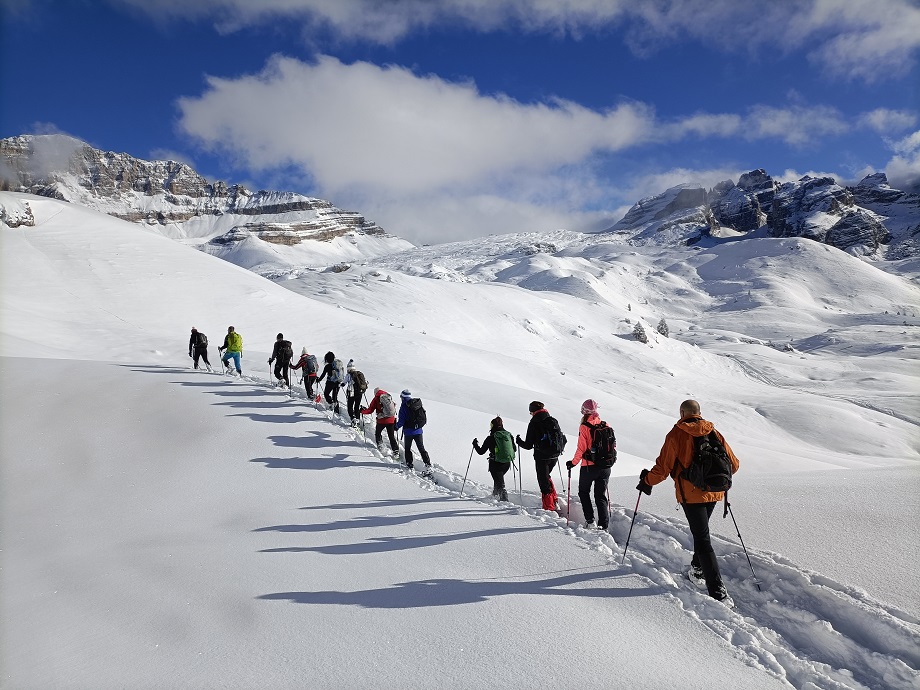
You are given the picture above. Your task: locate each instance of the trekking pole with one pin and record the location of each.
(559, 467)
(521, 483)
(514, 473)
(270, 373)
(467, 472)
(568, 502)
(635, 512)
(728, 508)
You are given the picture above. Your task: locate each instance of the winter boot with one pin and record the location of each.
(721, 594)
(695, 575)
(549, 501)
(502, 495)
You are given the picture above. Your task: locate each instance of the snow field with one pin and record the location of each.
(154, 557)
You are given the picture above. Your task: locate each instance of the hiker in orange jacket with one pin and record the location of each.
(676, 455)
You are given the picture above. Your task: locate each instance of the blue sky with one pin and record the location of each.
(459, 118)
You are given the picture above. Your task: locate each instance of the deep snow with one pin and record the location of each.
(139, 510)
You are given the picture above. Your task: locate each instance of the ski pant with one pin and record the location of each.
(308, 381)
(704, 556)
(201, 352)
(354, 405)
(544, 479)
(235, 356)
(598, 477)
(420, 444)
(391, 432)
(281, 370)
(331, 393)
(498, 470)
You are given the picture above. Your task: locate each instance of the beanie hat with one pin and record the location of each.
(194, 329)
(496, 423)
(376, 391)
(303, 351)
(535, 405)
(351, 365)
(405, 394)
(589, 406)
(280, 336)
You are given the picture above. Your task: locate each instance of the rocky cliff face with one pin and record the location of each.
(869, 219)
(169, 194)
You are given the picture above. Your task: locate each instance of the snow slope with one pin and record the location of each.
(170, 533)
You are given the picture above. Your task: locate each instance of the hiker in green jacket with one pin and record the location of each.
(233, 344)
(501, 449)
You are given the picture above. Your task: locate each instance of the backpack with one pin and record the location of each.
(336, 373)
(234, 342)
(416, 417)
(603, 451)
(711, 468)
(504, 446)
(358, 381)
(553, 440)
(202, 340)
(312, 365)
(387, 406)
(286, 353)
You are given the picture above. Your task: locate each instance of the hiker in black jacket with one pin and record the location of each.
(282, 354)
(198, 347)
(545, 457)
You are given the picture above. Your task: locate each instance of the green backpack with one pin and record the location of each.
(504, 446)
(234, 342)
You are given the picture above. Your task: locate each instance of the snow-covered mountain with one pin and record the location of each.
(870, 219)
(162, 523)
(169, 197)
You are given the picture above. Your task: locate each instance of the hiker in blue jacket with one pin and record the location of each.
(411, 419)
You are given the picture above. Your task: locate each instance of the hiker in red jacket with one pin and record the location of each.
(385, 407)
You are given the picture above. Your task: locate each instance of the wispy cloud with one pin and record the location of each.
(888, 122)
(869, 40)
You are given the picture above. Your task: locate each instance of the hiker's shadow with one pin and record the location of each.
(456, 592)
(337, 461)
(312, 439)
(372, 521)
(387, 544)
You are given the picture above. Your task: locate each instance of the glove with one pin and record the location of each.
(519, 439)
(189, 354)
(642, 485)
(269, 361)
(569, 465)
(476, 443)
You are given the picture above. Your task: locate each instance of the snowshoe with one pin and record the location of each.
(695, 575)
(723, 596)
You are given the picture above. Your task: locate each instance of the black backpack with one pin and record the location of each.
(553, 440)
(286, 353)
(415, 414)
(202, 340)
(711, 468)
(359, 382)
(312, 365)
(603, 451)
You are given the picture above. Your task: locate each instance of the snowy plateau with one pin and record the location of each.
(165, 527)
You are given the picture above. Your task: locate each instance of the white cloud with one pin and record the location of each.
(869, 40)
(364, 126)
(903, 170)
(887, 122)
(796, 125)
(371, 136)
(171, 155)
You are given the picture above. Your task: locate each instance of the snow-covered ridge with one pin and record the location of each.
(870, 219)
(174, 200)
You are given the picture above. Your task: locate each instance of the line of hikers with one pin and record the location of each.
(694, 455)
(410, 416)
